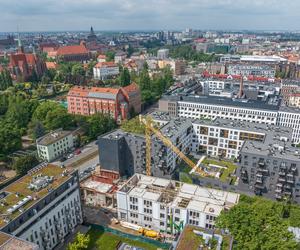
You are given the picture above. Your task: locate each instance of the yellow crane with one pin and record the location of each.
(149, 129)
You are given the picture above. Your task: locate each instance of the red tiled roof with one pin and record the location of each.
(101, 57)
(31, 59)
(16, 58)
(78, 91)
(131, 88)
(51, 65)
(105, 64)
(73, 49)
(105, 90)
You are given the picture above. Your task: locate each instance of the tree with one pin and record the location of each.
(23, 164)
(81, 242)
(36, 129)
(99, 124)
(124, 77)
(53, 116)
(110, 56)
(257, 223)
(5, 80)
(78, 70)
(10, 138)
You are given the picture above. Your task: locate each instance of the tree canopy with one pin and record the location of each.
(24, 163)
(257, 223)
(81, 242)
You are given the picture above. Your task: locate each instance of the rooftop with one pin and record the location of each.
(270, 104)
(18, 197)
(178, 194)
(53, 137)
(9, 242)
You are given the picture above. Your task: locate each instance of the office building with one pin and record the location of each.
(42, 207)
(55, 144)
(159, 204)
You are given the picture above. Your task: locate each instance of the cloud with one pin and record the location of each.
(148, 14)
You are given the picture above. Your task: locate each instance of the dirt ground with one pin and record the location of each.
(98, 216)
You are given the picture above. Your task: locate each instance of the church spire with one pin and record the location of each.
(20, 46)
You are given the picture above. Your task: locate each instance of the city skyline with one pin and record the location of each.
(55, 15)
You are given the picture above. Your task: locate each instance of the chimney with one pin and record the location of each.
(241, 91)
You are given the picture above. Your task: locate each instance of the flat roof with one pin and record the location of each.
(96, 186)
(223, 101)
(19, 190)
(53, 137)
(179, 194)
(10, 242)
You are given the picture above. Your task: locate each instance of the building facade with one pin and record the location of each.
(251, 70)
(105, 70)
(54, 144)
(167, 206)
(264, 112)
(53, 208)
(89, 101)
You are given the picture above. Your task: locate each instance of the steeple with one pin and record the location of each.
(20, 46)
(92, 31)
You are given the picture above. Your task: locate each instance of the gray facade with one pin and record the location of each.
(126, 153)
(271, 169)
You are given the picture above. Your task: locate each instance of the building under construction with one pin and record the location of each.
(167, 206)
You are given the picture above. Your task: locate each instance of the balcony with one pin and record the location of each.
(278, 190)
(280, 179)
(290, 180)
(282, 173)
(278, 196)
(279, 185)
(259, 186)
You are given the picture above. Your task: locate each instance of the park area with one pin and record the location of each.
(104, 240)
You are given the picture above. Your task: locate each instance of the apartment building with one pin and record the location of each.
(271, 168)
(167, 206)
(294, 100)
(251, 70)
(129, 149)
(105, 70)
(268, 111)
(42, 207)
(55, 144)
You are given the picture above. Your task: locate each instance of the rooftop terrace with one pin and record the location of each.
(18, 196)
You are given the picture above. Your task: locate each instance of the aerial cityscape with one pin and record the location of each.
(143, 125)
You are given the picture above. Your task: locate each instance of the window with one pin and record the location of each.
(162, 224)
(123, 215)
(162, 216)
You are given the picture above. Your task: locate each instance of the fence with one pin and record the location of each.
(130, 236)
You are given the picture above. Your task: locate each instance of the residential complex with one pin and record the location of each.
(116, 102)
(55, 144)
(264, 112)
(42, 207)
(166, 206)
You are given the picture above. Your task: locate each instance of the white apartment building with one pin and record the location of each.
(54, 144)
(212, 107)
(167, 206)
(53, 208)
(105, 70)
(251, 70)
(218, 137)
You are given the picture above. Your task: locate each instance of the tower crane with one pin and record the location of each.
(149, 130)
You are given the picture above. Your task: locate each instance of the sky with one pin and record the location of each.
(55, 15)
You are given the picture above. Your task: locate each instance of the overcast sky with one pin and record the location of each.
(47, 15)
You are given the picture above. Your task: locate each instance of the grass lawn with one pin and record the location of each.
(101, 240)
(184, 177)
(230, 168)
